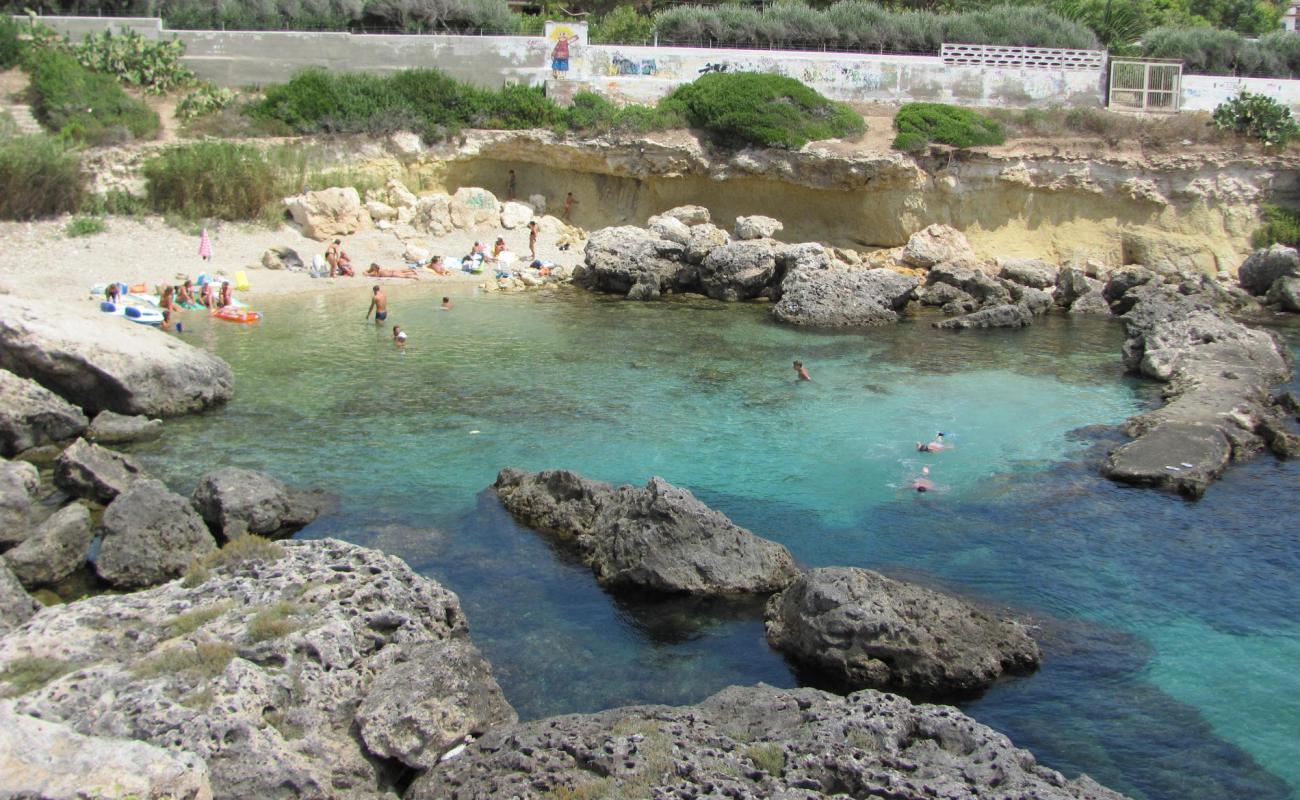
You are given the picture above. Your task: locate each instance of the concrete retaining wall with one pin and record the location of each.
(1204, 92)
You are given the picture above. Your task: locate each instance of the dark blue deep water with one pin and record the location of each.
(1171, 629)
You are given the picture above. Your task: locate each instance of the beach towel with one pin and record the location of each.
(205, 246)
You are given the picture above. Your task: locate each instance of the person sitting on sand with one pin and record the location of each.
(923, 484)
(932, 447)
(113, 293)
(497, 249)
(227, 296)
(185, 294)
(208, 295)
(438, 267)
(376, 271)
(479, 249)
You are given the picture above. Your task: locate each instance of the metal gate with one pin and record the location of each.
(1150, 86)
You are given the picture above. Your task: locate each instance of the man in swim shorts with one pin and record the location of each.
(379, 305)
(801, 372)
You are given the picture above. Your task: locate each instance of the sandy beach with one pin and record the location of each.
(44, 263)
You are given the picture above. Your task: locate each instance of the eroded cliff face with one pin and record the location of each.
(1189, 210)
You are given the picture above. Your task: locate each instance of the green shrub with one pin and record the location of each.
(623, 25)
(87, 106)
(220, 180)
(11, 47)
(920, 124)
(204, 99)
(154, 66)
(752, 109)
(39, 177)
(1281, 226)
(83, 226)
(1258, 116)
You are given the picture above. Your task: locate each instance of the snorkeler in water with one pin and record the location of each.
(934, 446)
(923, 484)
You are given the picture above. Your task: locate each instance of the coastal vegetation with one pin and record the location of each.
(84, 105)
(39, 177)
(84, 226)
(922, 124)
(1281, 226)
(1257, 116)
(212, 179)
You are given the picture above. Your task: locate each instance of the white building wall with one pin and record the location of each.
(1204, 92)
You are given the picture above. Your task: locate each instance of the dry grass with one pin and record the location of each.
(204, 660)
(193, 620)
(237, 551)
(275, 621)
(30, 673)
(768, 757)
(1113, 128)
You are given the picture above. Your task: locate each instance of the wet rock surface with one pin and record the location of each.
(262, 670)
(109, 427)
(756, 742)
(235, 502)
(55, 549)
(1008, 315)
(31, 415)
(95, 473)
(659, 537)
(859, 629)
(831, 297)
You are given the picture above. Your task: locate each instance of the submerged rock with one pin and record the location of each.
(52, 761)
(31, 415)
(1010, 315)
(658, 537)
(1219, 374)
(95, 473)
(235, 502)
(267, 668)
(109, 427)
(99, 362)
(755, 742)
(151, 535)
(863, 630)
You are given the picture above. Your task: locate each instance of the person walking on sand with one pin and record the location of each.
(205, 246)
(379, 305)
(801, 372)
(512, 187)
(532, 239)
(569, 202)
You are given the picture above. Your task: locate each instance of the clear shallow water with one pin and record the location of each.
(1170, 628)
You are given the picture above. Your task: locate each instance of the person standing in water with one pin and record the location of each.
(446, 304)
(399, 336)
(379, 305)
(801, 372)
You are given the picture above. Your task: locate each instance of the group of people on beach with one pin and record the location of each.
(175, 298)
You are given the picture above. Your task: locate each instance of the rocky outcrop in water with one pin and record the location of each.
(830, 296)
(859, 629)
(634, 262)
(755, 742)
(658, 537)
(31, 415)
(95, 473)
(111, 428)
(1219, 373)
(1007, 315)
(297, 670)
(51, 761)
(97, 362)
(55, 549)
(235, 502)
(1263, 268)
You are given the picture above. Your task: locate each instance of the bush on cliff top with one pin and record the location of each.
(744, 109)
(1281, 226)
(920, 124)
(84, 105)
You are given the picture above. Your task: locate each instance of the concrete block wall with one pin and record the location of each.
(1204, 92)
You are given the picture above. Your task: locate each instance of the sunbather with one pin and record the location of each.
(376, 271)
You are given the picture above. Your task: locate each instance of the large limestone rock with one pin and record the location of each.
(236, 502)
(986, 290)
(757, 227)
(151, 535)
(51, 761)
(1073, 283)
(659, 537)
(1090, 303)
(283, 258)
(399, 196)
(689, 215)
(1029, 272)
(94, 472)
(18, 484)
(472, 207)
(264, 668)
(329, 213)
(1262, 267)
(109, 427)
(433, 214)
(702, 241)
(630, 261)
(56, 549)
(1008, 315)
(1285, 291)
(16, 605)
(515, 214)
(31, 415)
(755, 742)
(99, 362)
(938, 244)
(863, 630)
(738, 270)
(670, 228)
(1220, 374)
(832, 297)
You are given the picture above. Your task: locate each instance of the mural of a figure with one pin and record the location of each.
(560, 57)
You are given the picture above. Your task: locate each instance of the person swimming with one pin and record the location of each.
(932, 447)
(923, 484)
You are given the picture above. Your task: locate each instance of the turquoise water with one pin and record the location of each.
(1169, 628)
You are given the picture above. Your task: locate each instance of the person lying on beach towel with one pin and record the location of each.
(376, 271)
